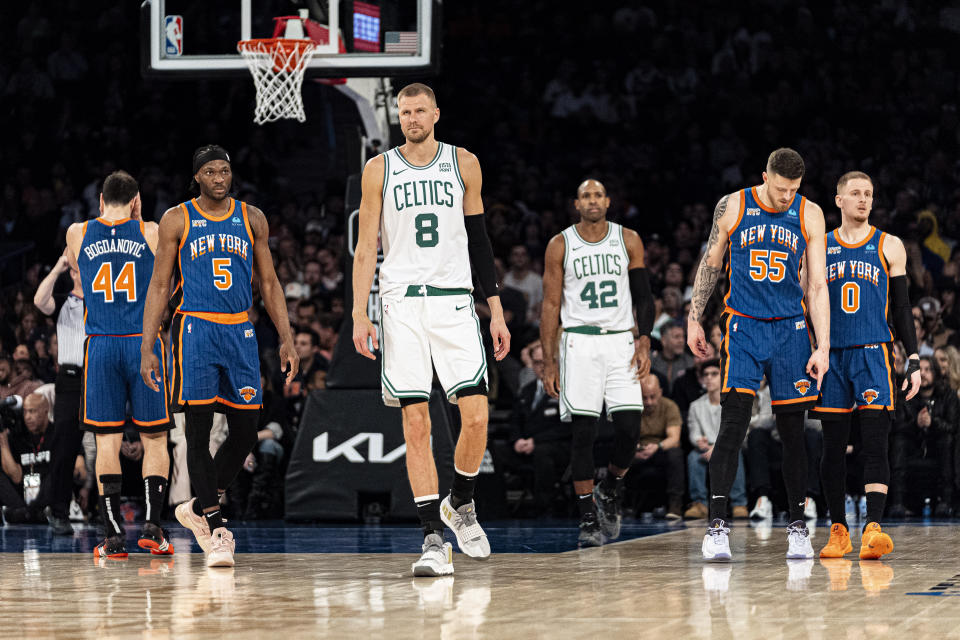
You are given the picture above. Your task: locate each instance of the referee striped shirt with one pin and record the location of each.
(70, 332)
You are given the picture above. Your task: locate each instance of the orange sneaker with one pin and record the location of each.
(874, 543)
(838, 544)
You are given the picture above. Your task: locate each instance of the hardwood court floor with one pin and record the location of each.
(652, 587)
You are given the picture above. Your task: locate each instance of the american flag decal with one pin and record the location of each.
(401, 42)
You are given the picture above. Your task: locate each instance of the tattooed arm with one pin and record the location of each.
(724, 217)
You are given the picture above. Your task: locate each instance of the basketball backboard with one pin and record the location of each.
(378, 38)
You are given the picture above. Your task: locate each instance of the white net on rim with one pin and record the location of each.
(277, 66)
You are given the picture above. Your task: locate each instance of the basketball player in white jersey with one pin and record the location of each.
(593, 274)
(424, 199)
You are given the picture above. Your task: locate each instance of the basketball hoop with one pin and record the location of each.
(277, 66)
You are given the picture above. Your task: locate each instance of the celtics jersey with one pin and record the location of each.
(421, 226)
(596, 287)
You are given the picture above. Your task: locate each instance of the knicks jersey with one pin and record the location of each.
(215, 263)
(766, 249)
(596, 287)
(115, 268)
(421, 225)
(857, 281)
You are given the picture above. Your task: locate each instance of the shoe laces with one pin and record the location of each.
(433, 542)
(717, 530)
(797, 532)
(466, 519)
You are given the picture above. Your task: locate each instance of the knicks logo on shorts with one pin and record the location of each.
(248, 333)
(247, 393)
(802, 386)
(870, 395)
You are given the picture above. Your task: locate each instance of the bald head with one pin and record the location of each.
(36, 413)
(591, 184)
(651, 390)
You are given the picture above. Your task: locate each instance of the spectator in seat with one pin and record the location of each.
(672, 360)
(922, 447)
(540, 438)
(658, 451)
(703, 421)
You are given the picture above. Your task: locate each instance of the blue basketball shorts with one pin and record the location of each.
(778, 349)
(215, 362)
(859, 378)
(111, 378)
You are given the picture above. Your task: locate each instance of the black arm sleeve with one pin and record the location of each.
(903, 314)
(642, 299)
(481, 254)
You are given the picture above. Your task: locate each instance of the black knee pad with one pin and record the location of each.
(626, 426)
(875, 436)
(479, 389)
(583, 435)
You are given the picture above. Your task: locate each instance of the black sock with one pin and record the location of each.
(428, 510)
(155, 488)
(197, 509)
(110, 504)
(611, 484)
(214, 520)
(876, 501)
(718, 508)
(462, 491)
(586, 506)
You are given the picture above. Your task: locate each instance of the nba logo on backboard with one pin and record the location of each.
(173, 35)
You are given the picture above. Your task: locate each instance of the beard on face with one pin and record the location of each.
(417, 137)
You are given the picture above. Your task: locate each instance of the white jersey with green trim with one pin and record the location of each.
(596, 287)
(421, 225)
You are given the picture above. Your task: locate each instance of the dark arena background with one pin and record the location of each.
(670, 106)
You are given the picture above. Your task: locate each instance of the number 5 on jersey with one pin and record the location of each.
(126, 281)
(767, 265)
(222, 278)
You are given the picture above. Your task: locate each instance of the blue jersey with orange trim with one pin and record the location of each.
(215, 263)
(857, 281)
(766, 249)
(115, 268)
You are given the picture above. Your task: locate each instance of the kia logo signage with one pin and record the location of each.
(323, 453)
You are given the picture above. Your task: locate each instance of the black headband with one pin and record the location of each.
(203, 155)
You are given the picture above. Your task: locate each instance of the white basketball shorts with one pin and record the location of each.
(425, 328)
(595, 369)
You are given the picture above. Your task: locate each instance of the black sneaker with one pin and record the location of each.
(609, 511)
(59, 524)
(153, 538)
(590, 533)
(112, 547)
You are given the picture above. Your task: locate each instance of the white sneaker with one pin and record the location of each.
(463, 522)
(763, 510)
(716, 544)
(221, 548)
(76, 513)
(437, 558)
(196, 524)
(810, 510)
(798, 541)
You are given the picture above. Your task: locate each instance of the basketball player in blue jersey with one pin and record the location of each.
(865, 269)
(765, 233)
(424, 200)
(114, 254)
(216, 244)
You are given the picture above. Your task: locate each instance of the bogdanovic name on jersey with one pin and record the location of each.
(418, 193)
(228, 243)
(114, 245)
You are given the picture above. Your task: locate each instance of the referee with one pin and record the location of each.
(67, 436)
